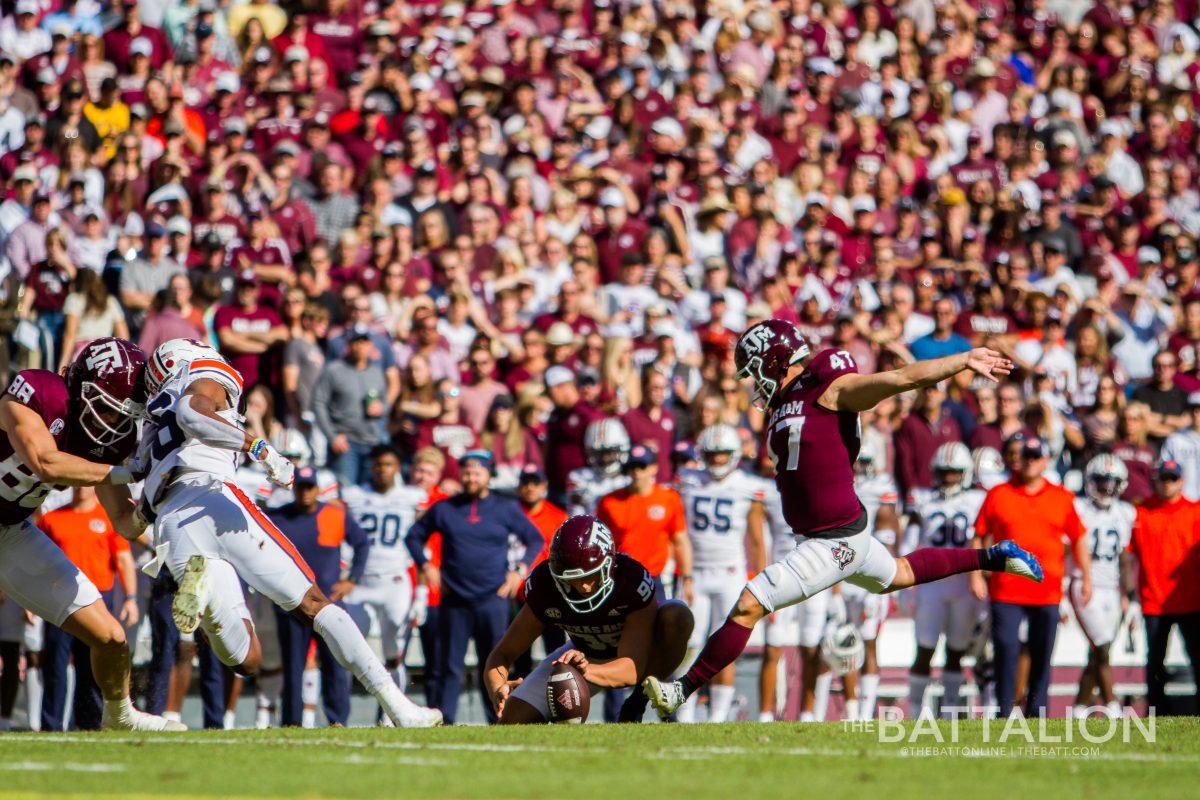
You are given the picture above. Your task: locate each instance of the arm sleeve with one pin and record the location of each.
(208, 430)
(419, 533)
(361, 546)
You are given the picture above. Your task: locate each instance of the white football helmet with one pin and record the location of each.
(843, 649)
(1105, 479)
(989, 468)
(292, 444)
(716, 440)
(952, 457)
(606, 445)
(172, 357)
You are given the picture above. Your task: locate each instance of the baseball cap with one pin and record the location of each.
(1033, 447)
(560, 334)
(358, 331)
(531, 473)
(306, 476)
(667, 126)
(141, 46)
(641, 456)
(1168, 467)
(558, 375)
(247, 278)
(479, 456)
(612, 197)
(684, 451)
(1148, 255)
(154, 230)
(179, 224)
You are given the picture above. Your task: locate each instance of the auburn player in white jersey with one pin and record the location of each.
(207, 532)
(866, 610)
(1109, 522)
(606, 447)
(385, 509)
(724, 509)
(947, 607)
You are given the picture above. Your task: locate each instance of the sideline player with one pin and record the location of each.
(208, 533)
(604, 601)
(1109, 522)
(725, 516)
(48, 425)
(946, 518)
(812, 433)
(606, 447)
(866, 610)
(385, 509)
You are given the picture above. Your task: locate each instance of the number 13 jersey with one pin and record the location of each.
(1109, 532)
(164, 446)
(814, 449)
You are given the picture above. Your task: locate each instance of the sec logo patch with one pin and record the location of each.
(656, 512)
(56, 427)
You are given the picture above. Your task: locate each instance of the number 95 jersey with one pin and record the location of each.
(164, 446)
(385, 517)
(949, 521)
(716, 511)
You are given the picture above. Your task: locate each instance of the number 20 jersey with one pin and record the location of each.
(385, 517)
(949, 521)
(1109, 531)
(716, 511)
(164, 446)
(814, 448)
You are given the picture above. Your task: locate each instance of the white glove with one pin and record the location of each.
(420, 606)
(279, 469)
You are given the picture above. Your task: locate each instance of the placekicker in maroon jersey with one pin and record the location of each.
(595, 633)
(814, 449)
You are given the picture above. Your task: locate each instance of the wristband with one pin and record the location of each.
(258, 449)
(119, 476)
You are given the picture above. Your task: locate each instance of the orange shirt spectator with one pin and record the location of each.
(646, 518)
(1038, 519)
(1166, 541)
(532, 487)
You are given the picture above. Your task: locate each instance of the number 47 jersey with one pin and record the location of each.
(385, 517)
(950, 521)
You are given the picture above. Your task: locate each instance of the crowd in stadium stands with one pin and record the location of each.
(457, 224)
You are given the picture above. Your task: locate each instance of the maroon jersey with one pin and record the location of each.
(595, 633)
(21, 492)
(814, 449)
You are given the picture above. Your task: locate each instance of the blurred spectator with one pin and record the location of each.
(919, 436)
(348, 402)
(146, 275)
(1183, 447)
(171, 317)
(653, 424)
(1166, 537)
(1038, 516)
(942, 341)
(248, 332)
(565, 428)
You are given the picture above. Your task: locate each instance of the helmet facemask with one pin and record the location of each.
(763, 387)
(1104, 489)
(719, 471)
(104, 419)
(594, 600)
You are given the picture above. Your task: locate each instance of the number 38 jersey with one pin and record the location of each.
(1109, 531)
(385, 517)
(716, 510)
(164, 446)
(598, 632)
(814, 448)
(949, 521)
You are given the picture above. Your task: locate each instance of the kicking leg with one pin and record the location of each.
(934, 563)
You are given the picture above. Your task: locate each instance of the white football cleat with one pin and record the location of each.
(665, 697)
(125, 717)
(192, 597)
(419, 717)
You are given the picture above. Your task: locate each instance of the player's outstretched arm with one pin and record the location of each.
(196, 414)
(122, 511)
(854, 392)
(520, 636)
(35, 446)
(629, 667)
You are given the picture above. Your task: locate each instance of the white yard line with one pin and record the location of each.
(57, 766)
(966, 751)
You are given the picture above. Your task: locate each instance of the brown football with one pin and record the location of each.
(567, 695)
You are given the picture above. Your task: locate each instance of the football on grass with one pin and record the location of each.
(567, 694)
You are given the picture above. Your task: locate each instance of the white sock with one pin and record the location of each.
(951, 690)
(868, 687)
(230, 721)
(172, 716)
(119, 709)
(821, 695)
(720, 700)
(308, 718)
(917, 684)
(852, 709)
(807, 716)
(310, 687)
(267, 694)
(33, 696)
(687, 712)
(351, 650)
(1114, 709)
(766, 716)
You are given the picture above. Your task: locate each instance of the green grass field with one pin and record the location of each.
(735, 762)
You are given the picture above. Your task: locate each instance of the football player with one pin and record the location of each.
(208, 533)
(987, 465)
(724, 509)
(812, 402)
(604, 602)
(606, 447)
(1109, 522)
(385, 509)
(946, 519)
(866, 610)
(72, 432)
